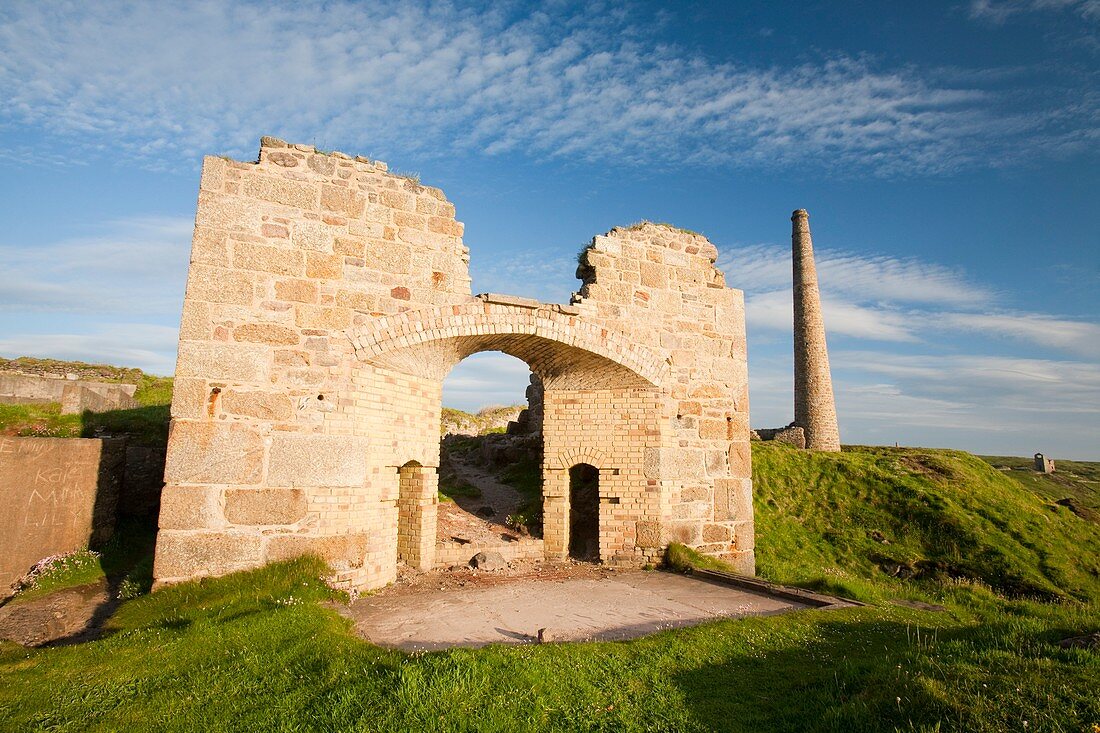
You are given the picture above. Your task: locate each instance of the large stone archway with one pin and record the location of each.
(326, 301)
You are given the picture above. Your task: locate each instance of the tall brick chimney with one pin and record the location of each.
(814, 407)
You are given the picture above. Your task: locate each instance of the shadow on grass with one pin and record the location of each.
(127, 563)
(145, 426)
(851, 677)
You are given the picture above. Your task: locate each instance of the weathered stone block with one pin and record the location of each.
(188, 398)
(314, 316)
(213, 173)
(344, 551)
(237, 362)
(191, 554)
(740, 459)
(296, 194)
(265, 506)
(392, 257)
(299, 459)
(213, 453)
(686, 533)
(745, 535)
(190, 507)
(648, 534)
(674, 463)
(219, 285)
(313, 236)
(716, 533)
(266, 333)
(261, 405)
(261, 258)
(322, 266)
(299, 291)
(210, 247)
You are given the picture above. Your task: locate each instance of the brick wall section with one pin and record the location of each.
(814, 406)
(327, 300)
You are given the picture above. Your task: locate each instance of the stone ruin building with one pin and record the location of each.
(326, 301)
(1044, 464)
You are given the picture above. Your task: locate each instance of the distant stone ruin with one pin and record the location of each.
(1044, 464)
(328, 298)
(75, 395)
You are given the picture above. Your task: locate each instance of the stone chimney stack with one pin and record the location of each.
(814, 408)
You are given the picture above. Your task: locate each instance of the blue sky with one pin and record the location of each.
(947, 153)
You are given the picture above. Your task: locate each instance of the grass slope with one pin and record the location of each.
(146, 424)
(261, 651)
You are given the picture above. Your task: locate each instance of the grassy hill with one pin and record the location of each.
(146, 425)
(907, 531)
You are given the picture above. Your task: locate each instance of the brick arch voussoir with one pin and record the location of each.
(572, 456)
(414, 328)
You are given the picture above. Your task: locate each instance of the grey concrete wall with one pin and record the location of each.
(74, 395)
(58, 494)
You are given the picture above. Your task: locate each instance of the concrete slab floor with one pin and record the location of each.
(624, 605)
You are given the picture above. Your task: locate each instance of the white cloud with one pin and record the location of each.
(1076, 337)
(850, 275)
(484, 379)
(774, 310)
(136, 266)
(147, 347)
(167, 82)
(987, 404)
(536, 274)
(881, 298)
(998, 11)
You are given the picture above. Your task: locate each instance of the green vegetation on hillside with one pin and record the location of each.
(144, 425)
(1075, 484)
(870, 521)
(1014, 572)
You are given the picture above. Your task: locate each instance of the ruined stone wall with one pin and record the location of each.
(326, 302)
(611, 430)
(75, 396)
(659, 286)
(270, 452)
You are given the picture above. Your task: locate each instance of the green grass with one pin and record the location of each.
(41, 421)
(126, 560)
(525, 476)
(868, 520)
(1078, 481)
(261, 651)
(146, 424)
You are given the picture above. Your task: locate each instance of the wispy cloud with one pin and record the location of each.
(879, 298)
(489, 378)
(998, 11)
(141, 345)
(850, 274)
(135, 266)
(1075, 337)
(164, 83)
(774, 310)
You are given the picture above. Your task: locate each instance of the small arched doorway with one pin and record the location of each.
(584, 512)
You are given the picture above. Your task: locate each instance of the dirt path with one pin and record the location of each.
(461, 519)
